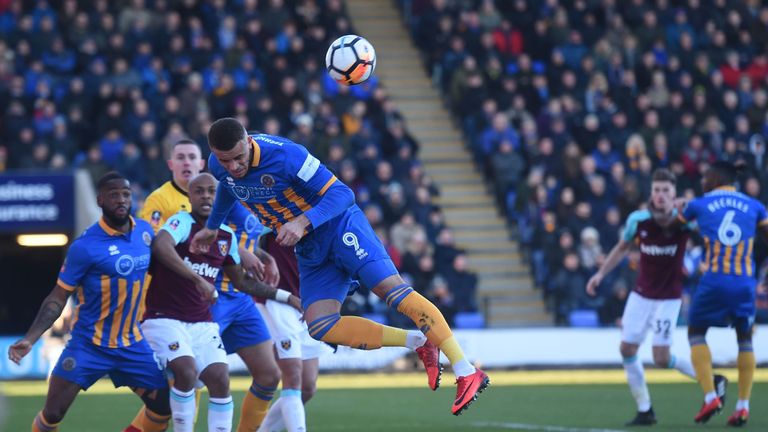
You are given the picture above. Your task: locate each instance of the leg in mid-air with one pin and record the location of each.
(434, 335)
(746, 365)
(358, 252)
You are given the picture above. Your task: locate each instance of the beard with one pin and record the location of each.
(116, 220)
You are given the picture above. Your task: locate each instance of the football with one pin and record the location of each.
(350, 60)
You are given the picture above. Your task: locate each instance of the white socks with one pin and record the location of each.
(293, 411)
(274, 419)
(683, 365)
(220, 414)
(463, 368)
(742, 404)
(286, 413)
(415, 339)
(183, 410)
(633, 367)
(709, 397)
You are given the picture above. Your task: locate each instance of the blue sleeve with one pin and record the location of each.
(691, 211)
(630, 228)
(222, 205)
(244, 221)
(179, 226)
(337, 198)
(762, 215)
(75, 266)
(306, 170)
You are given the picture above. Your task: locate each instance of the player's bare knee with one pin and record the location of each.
(308, 390)
(661, 358)
(54, 414)
(216, 379)
(744, 336)
(268, 377)
(184, 378)
(157, 401)
(628, 350)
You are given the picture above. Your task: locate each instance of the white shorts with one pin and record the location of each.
(290, 333)
(171, 339)
(642, 314)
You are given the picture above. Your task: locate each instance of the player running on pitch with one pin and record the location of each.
(655, 302)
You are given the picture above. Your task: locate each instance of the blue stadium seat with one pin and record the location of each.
(469, 320)
(378, 317)
(584, 318)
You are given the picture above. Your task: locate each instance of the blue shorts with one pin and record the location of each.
(240, 323)
(340, 250)
(723, 303)
(84, 363)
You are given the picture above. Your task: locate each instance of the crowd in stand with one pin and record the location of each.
(568, 107)
(101, 85)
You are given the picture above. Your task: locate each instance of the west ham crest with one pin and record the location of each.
(286, 344)
(173, 346)
(223, 247)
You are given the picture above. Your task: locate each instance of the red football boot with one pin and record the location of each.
(708, 410)
(739, 417)
(468, 387)
(430, 356)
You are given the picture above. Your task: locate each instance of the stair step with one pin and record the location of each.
(533, 319)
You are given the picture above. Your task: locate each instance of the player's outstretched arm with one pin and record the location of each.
(164, 250)
(617, 254)
(256, 288)
(49, 312)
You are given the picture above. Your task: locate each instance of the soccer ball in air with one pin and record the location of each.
(350, 60)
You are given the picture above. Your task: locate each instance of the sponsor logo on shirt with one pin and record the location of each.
(203, 269)
(655, 250)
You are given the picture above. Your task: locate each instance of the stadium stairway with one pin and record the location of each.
(506, 292)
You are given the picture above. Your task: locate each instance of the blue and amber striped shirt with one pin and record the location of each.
(106, 270)
(284, 182)
(728, 222)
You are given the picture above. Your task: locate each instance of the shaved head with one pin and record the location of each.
(205, 178)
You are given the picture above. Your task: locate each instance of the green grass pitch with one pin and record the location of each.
(554, 408)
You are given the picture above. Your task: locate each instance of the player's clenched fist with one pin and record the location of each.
(292, 232)
(18, 350)
(206, 290)
(201, 242)
(593, 283)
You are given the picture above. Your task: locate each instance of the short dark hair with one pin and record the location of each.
(665, 175)
(726, 172)
(108, 177)
(225, 133)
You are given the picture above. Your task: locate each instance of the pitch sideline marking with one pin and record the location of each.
(416, 380)
(544, 428)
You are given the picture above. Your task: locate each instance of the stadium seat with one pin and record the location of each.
(469, 320)
(377, 317)
(583, 318)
